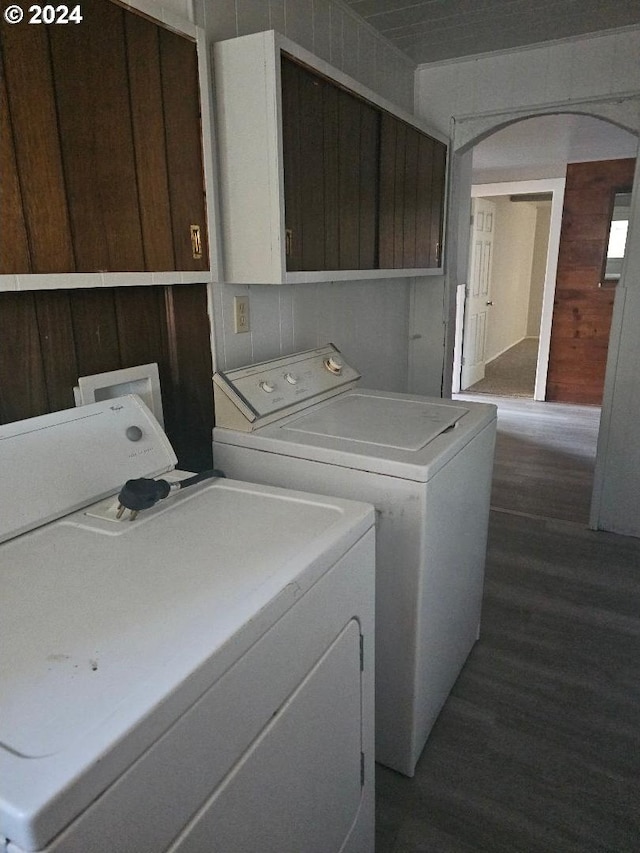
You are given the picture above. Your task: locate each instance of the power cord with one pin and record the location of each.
(144, 493)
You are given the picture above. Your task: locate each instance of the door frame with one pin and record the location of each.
(544, 185)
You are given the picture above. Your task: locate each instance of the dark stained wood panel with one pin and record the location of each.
(398, 210)
(97, 140)
(439, 177)
(349, 186)
(311, 176)
(412, 180)
(583, 310)
(582, 254)
(410, 193)
(369, 155)
(39, 163)
(331, 144)
(147, 114)
(424, 200)
(55, 330)
(23, 392)
(143, 336)
(331, 172)
(14, 246)
(191, 415)
(140, 316)
(95, 331)
(388, 176)
(181, 99)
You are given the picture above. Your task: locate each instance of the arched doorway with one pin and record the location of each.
(617, 467)
(531, 156)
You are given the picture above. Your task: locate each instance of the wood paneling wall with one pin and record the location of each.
(50, 338)
(582, 309)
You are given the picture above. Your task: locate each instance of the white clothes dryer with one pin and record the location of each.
(199, 678)
(426, 464)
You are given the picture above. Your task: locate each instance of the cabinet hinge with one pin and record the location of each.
(362, 769)
(361, 653)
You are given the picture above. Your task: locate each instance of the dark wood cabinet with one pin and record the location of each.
(102, 165)
(412, 182)
(319, 179)
(330, 142)
(363, 189)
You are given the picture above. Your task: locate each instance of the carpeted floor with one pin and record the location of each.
(512, 374)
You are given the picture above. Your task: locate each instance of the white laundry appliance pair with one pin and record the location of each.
(196, 678)
(301, 421)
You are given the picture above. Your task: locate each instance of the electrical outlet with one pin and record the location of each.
(241, 314)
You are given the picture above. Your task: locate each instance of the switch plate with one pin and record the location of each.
(241, 314)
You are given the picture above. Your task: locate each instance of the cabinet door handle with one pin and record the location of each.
(196, 242)
(288, 240)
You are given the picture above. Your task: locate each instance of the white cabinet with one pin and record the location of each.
(301, 162)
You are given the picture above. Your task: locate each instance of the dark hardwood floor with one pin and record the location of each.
(545, 457)
(537, 750)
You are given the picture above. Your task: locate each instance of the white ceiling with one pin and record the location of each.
(435, 30)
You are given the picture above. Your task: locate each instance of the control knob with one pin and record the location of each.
(333, 365)
(268, 387)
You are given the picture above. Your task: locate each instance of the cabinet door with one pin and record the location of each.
(358, 142)
(304, 141)
(181, 102)
(439, 173)
(101, 146)
(330, 149)
(148, 123)
(34, 216)
(94, 123)
(412, 172)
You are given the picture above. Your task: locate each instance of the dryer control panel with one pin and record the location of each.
(57, 463)
(249, 397)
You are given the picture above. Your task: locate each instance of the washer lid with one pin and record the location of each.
(408, 424)
(398, 435)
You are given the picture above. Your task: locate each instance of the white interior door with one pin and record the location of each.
(478, 301)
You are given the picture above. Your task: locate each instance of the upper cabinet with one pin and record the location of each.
(412, 185)
(319, 178)
(102, 149)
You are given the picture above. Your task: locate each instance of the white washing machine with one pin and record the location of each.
(426, 464)
(197, 679)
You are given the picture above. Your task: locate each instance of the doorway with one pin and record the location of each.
(539, 148)
(519, 295)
